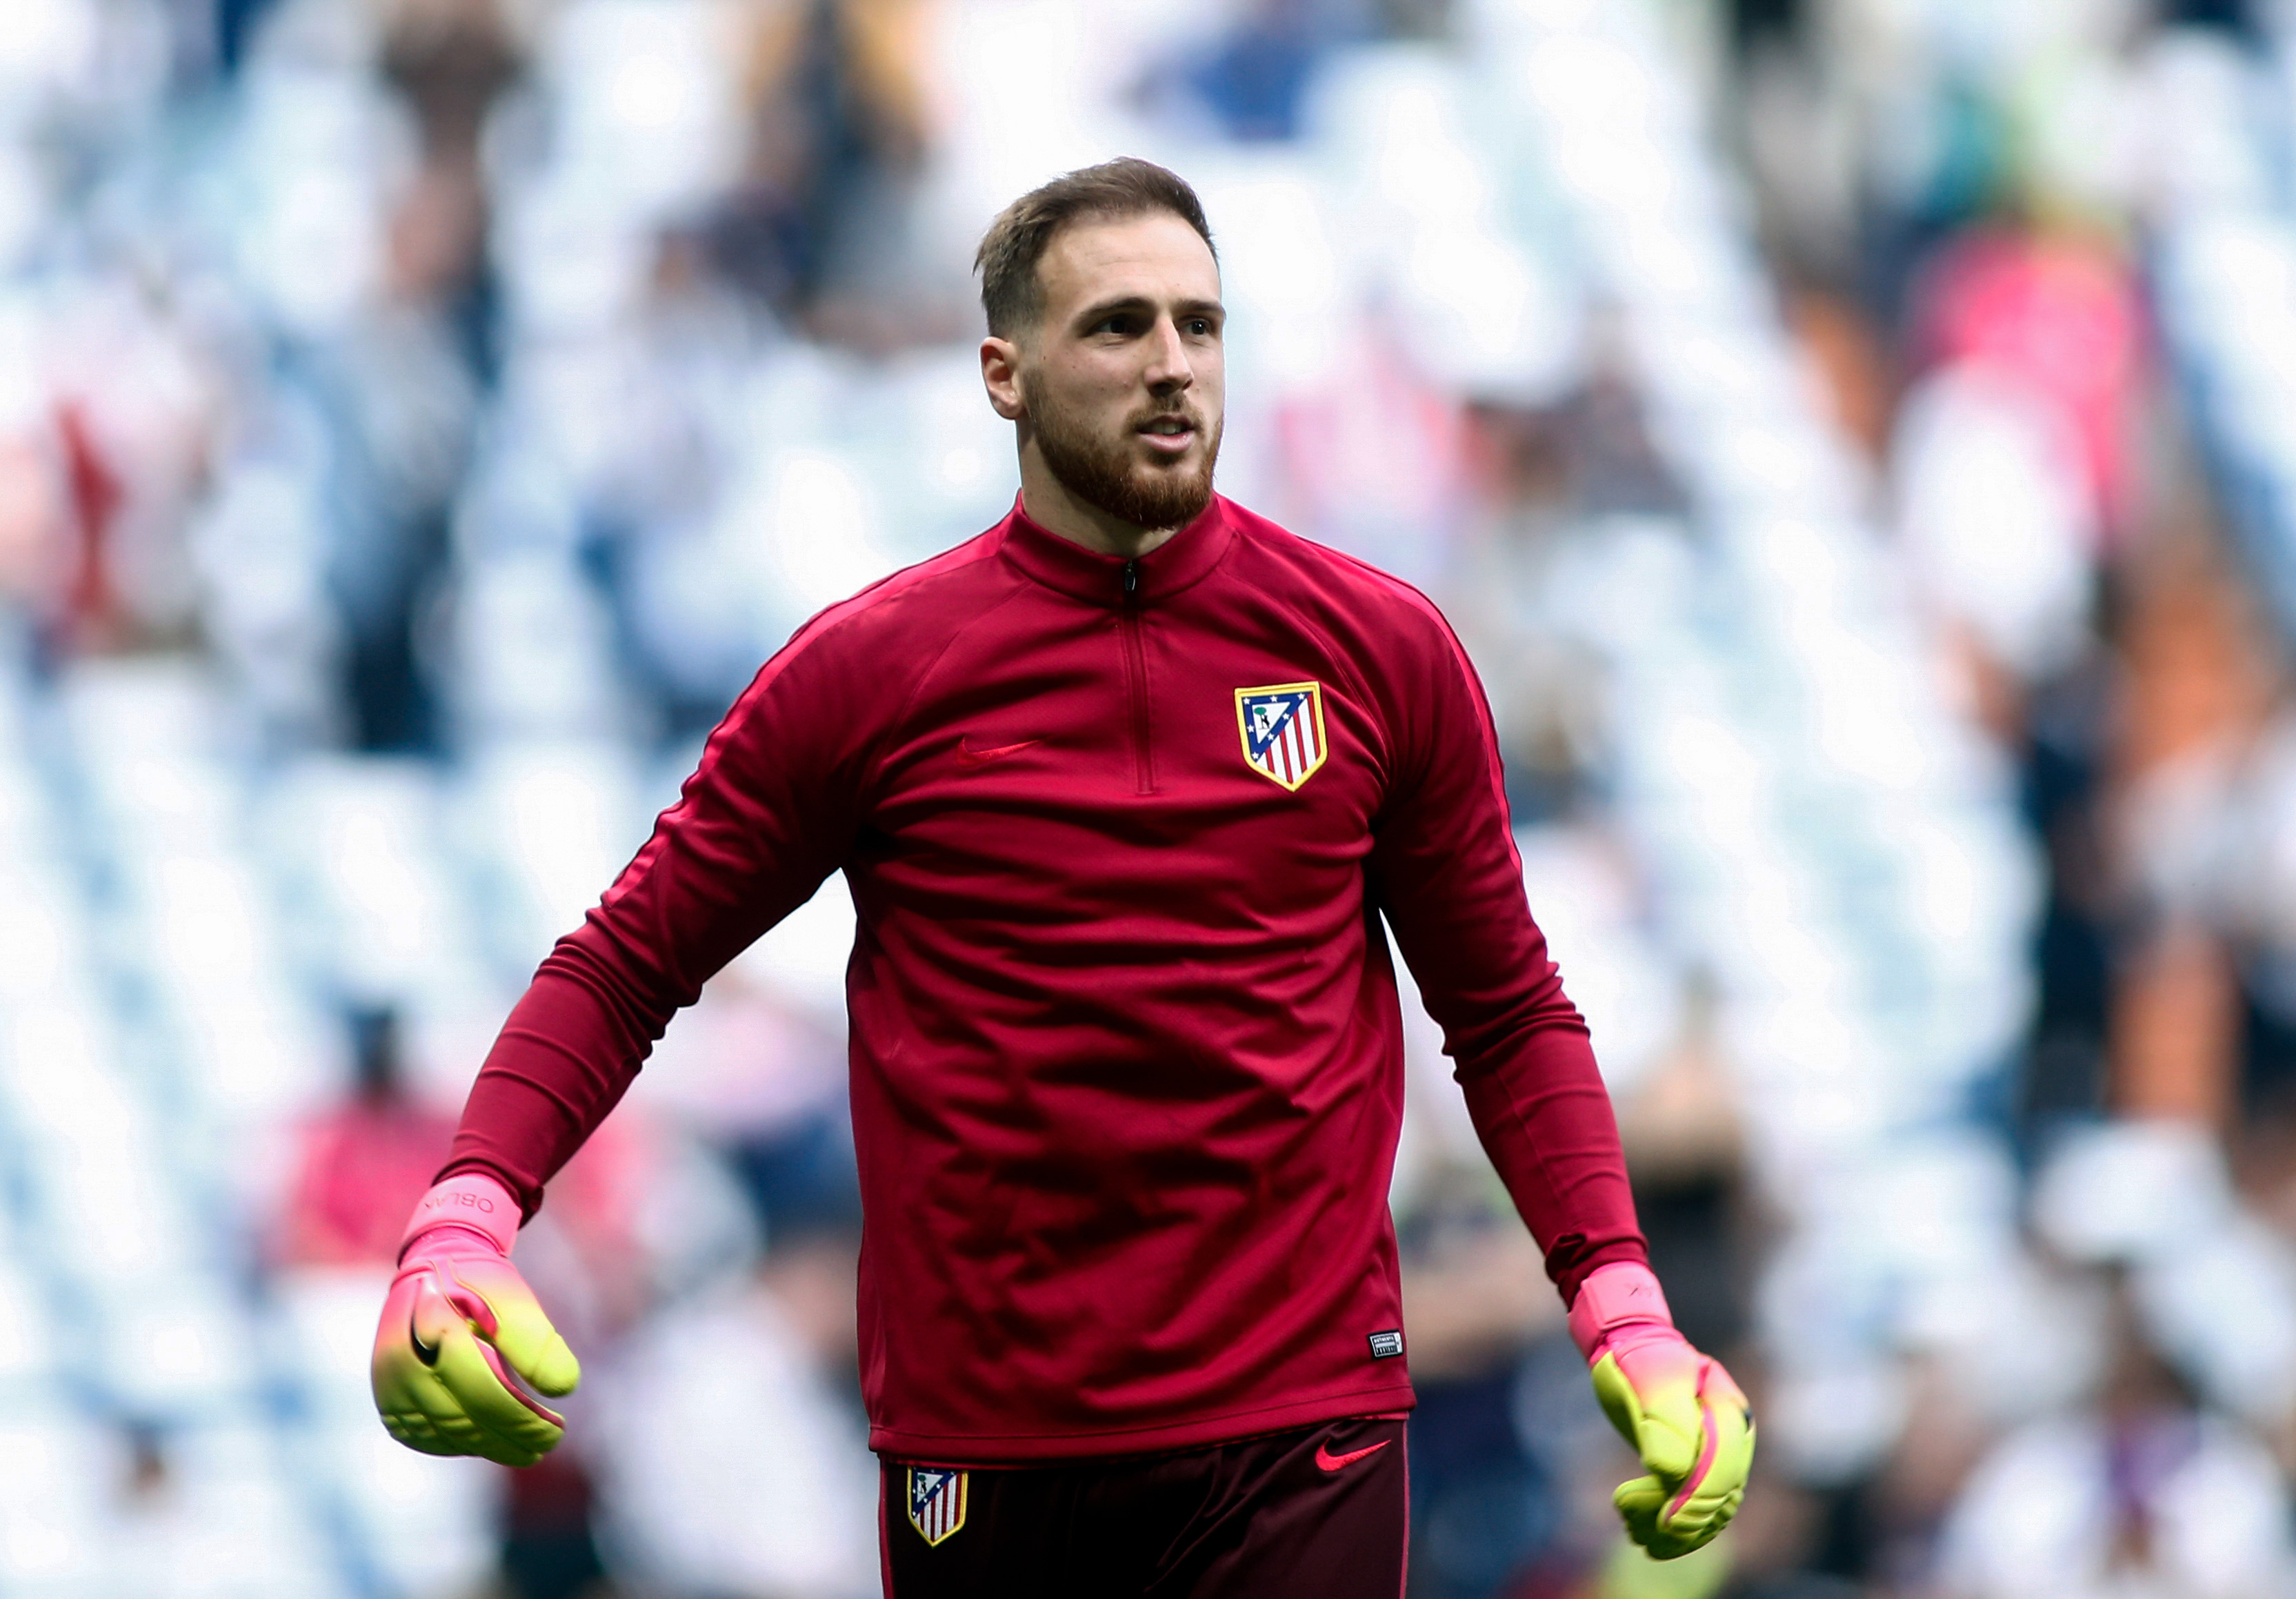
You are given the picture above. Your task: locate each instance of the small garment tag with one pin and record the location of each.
(1386, 1345)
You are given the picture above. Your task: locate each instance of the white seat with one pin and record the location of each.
(427, 1521)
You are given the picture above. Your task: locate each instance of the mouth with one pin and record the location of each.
(1169, 435)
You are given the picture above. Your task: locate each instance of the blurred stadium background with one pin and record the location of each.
(1857, 439)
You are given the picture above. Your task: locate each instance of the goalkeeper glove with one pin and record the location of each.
(458, 1323)
(1677, 1408)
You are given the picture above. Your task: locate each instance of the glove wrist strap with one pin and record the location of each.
(1614, 1297)
(471, 1201)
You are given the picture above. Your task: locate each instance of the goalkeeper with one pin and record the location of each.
(1123, 789)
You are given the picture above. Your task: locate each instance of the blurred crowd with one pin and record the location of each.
(418, 418)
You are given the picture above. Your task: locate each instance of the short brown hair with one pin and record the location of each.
(1010, 291)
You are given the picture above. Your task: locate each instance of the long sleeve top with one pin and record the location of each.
(1127, 1059)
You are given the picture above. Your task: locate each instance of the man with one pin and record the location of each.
(1122, 787)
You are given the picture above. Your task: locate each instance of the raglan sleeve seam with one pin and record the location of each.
(873, 763)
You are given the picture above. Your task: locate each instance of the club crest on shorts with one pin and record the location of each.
(936, 1501)
(1283, 729)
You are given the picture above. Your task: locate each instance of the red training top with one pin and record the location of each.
(1127, 1055)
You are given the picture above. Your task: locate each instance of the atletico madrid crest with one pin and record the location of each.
(1283, 728)
(936, 1501)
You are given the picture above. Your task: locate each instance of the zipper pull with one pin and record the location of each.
(1131, 578)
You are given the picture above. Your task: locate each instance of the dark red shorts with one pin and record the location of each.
(1321, 1513)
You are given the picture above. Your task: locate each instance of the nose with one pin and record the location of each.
(1169, 372)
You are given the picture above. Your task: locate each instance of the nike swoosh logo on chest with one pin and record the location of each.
(967, 756)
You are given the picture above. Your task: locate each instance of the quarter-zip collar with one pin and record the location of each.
(1181, 561)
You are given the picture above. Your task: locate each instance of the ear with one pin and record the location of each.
(1000, 374)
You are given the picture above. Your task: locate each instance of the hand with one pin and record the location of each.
(1679, 1409)
(458, 1323)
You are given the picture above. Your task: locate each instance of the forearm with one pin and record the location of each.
(570, 1048)
(1544, 1116)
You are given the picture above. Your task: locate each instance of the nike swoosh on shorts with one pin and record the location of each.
(1333, 1463)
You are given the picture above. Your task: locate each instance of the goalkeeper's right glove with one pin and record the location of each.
(460, 1327)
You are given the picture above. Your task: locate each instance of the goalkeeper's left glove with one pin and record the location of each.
(461, 1327)
(1678, 1409)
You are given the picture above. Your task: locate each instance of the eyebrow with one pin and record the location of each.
(1106, 308)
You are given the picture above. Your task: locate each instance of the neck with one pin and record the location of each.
(1052, 507)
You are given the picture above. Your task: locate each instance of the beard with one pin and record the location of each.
(1103, 471)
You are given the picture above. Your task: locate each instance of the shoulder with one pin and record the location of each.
(856, 662)
(935, 595)
(907, 615)
(1347, 597)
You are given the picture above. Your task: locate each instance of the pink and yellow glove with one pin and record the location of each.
(460, 1328)
(1679, 1409)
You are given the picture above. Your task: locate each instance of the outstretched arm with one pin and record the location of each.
(769, 813)
(1445, 871)
(1445, 868)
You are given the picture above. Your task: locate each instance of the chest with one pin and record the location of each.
(1239, 740)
